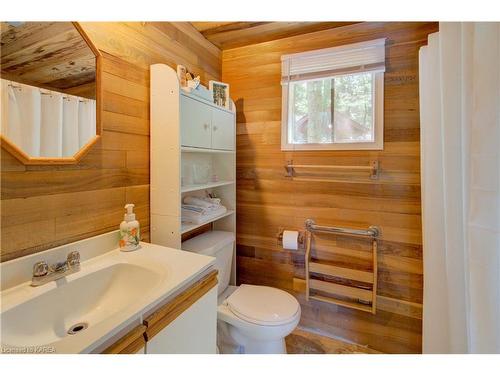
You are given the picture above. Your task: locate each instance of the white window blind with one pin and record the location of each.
(361, 57)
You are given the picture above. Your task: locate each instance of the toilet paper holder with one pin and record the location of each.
(301, 238)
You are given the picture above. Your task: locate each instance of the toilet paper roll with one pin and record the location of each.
(290, 239)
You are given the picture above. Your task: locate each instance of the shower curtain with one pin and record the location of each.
(46, 123)
(460, 172)
(22, 114)
(86, 121)
(70, 142)
(51, 125)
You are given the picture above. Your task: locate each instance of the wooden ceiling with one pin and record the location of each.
(226, 35)
(51, 55)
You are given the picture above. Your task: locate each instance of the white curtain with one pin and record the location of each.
(460, 153)
(45, 123)
(70, 126)
(86, 121)
(22, 115)
(51, 126)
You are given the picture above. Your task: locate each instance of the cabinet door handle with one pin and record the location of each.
(215, 128)
(206, 126)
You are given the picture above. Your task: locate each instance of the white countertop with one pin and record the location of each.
(173, 271)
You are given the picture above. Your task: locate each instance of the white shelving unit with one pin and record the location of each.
(187, 227)
(205, 150)
(189, 137)
(209, 185)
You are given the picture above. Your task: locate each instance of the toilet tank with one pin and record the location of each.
(218, 244)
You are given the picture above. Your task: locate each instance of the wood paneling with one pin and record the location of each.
(268, 202)
(236, 34)
(46, 206)
(146, 43)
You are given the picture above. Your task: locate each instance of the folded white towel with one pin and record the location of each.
(200, 210)
(190, 215)
(202, 202)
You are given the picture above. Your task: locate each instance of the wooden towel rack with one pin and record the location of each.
(373, 168)
(348, 296)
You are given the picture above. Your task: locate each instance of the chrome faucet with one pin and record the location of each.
(43, 273)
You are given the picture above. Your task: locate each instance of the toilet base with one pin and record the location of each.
(264, 347)
(231, 342)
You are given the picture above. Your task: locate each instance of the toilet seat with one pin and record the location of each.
(263, 305)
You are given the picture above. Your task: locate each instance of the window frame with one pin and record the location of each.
(378, 118)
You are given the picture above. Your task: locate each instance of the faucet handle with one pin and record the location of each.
(40, 269)
(73, 259)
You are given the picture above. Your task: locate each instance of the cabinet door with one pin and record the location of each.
(195, 123)
(192, 332)
(222, 130)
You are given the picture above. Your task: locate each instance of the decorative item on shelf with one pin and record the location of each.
(201, 172)
(220, 93)
(193, 83)
(211, 194)
(181, 74)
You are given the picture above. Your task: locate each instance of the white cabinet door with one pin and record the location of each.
(195, 123)
(223, 128)
(192, 332)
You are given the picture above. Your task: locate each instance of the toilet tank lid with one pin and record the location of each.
(208, 243)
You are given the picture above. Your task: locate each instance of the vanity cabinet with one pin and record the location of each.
(192, 332)
(186, 324)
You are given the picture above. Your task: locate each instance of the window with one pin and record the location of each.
(333, 98)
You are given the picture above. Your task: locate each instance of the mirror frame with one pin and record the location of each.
(27, 159)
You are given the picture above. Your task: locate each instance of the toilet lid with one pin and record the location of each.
(263, 305)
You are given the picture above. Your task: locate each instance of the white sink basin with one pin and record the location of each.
(90, 299)
(110, 293)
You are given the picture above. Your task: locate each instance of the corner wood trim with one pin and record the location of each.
(130, 343)
(172, 309)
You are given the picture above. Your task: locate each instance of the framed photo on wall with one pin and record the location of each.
(220, 93)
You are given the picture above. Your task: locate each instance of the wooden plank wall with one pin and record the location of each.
(268, 202)
(46, 206)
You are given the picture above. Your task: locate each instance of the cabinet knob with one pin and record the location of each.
(215, 128)
(205, 126)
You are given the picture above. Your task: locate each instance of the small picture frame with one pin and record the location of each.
(220, 93)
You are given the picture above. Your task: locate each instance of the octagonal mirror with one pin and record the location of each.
(51, 99)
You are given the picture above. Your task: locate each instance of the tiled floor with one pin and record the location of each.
(306, 342)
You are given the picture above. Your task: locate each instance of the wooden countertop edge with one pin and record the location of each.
(130, 343)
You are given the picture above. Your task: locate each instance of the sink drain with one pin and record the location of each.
(78, 327)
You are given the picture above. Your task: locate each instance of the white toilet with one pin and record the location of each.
(252, 319)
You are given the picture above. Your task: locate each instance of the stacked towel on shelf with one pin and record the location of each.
(197, 210)
(203, 202)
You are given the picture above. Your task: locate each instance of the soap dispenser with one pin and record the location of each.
(129, 230)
